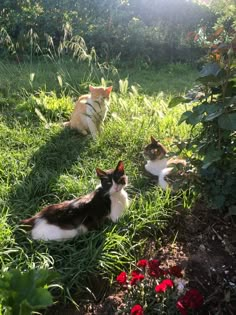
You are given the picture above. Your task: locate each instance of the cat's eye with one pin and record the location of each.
(121, 181)
(107, 181)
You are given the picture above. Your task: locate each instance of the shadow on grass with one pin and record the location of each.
(76, 260)
(48, 163)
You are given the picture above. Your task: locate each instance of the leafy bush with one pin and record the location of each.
(214, 148)
(23, 292)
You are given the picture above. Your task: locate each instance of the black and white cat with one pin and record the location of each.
(73, 217)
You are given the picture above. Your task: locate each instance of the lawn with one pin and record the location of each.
(43, 163)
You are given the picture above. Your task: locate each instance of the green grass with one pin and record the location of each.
(42, 163)
(155, 80)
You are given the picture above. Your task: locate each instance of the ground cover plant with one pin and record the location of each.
(42, 163)
(24, 292)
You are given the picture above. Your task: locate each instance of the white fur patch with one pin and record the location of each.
(159, 168)
(155, 167)
(50, 232)
(119, 201)
(161, 180)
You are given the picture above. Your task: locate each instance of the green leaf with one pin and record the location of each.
(41, 298)
(43, 276)
(23, 309)
(210, 69)
(200, 109)
(211, 73)
(178, 100)
(213, 107)
(184, 116)
(213, 115)
(227, 121)
(211, 157)
(195, 118)
(24, 291)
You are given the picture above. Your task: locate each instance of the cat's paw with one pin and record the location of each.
(66, 124)
(84, 132)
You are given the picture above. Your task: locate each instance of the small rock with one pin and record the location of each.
(202, 247)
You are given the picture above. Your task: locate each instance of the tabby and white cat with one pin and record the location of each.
(73, 217)
(158, 164)
(90, 111)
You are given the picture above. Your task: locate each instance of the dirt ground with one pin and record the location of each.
(204, 244)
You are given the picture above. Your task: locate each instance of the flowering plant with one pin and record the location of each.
(153, 289)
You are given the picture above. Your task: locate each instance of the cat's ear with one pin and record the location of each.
(100, 173)
(153, 140)
(91, 88)
(120, 167)
(108, 90)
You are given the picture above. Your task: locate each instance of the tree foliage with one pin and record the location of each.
(136, 29)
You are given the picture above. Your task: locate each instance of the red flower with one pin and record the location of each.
(191, 300)
(175, 271)
(136, 276)
(168, 283)
(162, 287)
(154, 269)
(122, 277)
(154, 263)
(142, 263)
(137, 310)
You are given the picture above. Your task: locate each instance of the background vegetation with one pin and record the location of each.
(147, 31)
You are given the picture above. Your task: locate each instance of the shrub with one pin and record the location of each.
(214, 150)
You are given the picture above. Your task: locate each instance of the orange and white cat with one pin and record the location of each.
(158, 164)
(90, 111)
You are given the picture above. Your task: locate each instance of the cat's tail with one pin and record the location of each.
(161, 181)
(176, 161)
